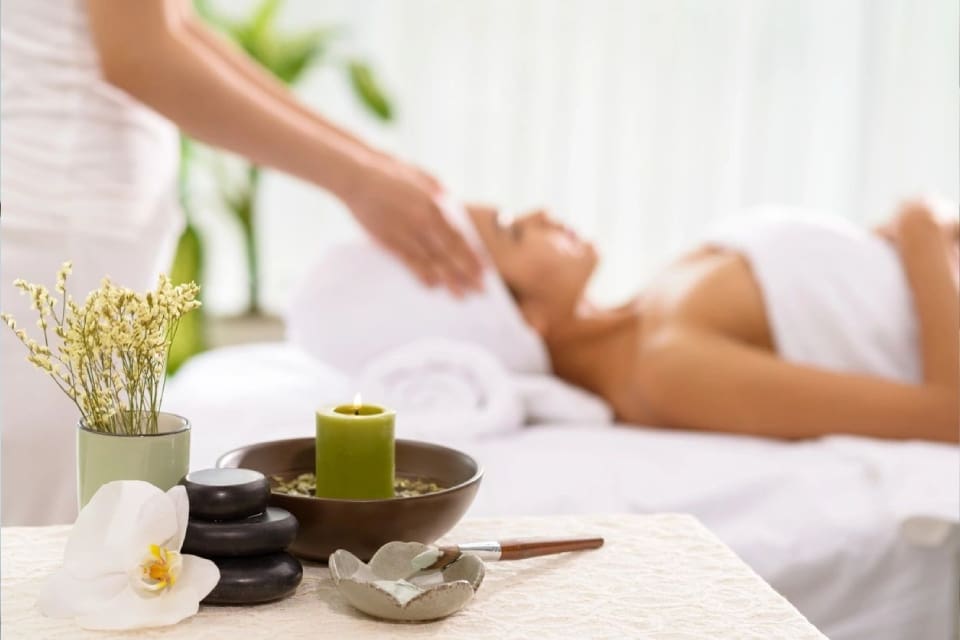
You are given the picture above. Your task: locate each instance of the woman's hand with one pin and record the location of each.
(402, 208)
(927, 248)
(921, 213)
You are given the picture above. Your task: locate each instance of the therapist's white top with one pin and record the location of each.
(88, 175)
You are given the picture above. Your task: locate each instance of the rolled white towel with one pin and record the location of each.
(235, 396)
(550, 400)
(444, 390)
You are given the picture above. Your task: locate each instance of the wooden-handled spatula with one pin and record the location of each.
(440, 557)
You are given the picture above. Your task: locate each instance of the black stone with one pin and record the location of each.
(269, 532)
(256, 579)
(226, 494)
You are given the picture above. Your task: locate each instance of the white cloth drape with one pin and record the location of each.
(640, 121)
(88, 175)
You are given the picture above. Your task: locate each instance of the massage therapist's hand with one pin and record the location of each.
(401, 207)
(159, 52)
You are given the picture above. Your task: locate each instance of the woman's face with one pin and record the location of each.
(540, 259)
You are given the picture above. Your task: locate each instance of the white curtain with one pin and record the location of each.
(639, 121)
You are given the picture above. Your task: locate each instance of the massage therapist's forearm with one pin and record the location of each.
(231, 55)
(160, 61)
(240, 64)
(923, 251)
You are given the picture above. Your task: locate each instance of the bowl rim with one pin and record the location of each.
(421, 443)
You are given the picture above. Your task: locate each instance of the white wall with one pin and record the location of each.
(638, 121)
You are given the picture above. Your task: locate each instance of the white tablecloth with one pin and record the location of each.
(658, 576)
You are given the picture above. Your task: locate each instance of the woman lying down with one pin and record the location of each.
(785, 327)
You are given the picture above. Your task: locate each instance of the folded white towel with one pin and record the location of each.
(550, 400)
(357, 302)
(242, 394)
(444, 389)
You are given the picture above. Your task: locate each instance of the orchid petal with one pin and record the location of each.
(199, 574)
(156, 523)
(66, 596)
(99, 536)
(132, 610)
(122, 567)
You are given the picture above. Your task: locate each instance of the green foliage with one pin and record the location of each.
(191, 338)
(288, 56)
(367, 88)
(187, 267)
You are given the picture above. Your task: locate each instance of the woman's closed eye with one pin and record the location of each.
(516, 231)
(513, 229)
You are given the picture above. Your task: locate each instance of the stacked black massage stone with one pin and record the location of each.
(231, 524)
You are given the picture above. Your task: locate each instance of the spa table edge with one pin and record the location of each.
(657, 574)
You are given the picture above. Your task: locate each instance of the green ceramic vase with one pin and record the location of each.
(162, 459)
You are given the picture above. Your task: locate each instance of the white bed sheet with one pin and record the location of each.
(822, 521)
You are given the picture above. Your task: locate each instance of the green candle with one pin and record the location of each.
(355, 452)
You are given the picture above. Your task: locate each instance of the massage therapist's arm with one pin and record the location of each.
(239, 63)
(158, 52)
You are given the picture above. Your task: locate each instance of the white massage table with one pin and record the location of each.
(835, 524)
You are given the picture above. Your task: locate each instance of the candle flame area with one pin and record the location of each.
(357, 402)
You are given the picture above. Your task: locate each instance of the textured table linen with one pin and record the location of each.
(661, 576)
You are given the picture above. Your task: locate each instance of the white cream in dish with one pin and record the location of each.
(423, 560)
(402, 590)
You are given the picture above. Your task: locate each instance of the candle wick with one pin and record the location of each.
(356, 412)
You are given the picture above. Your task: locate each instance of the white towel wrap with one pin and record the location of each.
(836, 295)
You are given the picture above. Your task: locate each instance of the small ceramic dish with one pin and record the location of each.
(389, 587)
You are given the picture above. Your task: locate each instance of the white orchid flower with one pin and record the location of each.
(122, 568)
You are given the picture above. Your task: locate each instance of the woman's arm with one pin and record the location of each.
(925, 252)
(697, 380)
(151, 50)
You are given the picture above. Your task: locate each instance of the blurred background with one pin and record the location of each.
(637, 121)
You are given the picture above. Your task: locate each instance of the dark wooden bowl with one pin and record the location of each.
(363, 526)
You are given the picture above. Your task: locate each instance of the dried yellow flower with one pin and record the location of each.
(111, 351)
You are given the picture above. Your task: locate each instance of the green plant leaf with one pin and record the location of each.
(238, 200)
(261, 23)
(188, 266)
(295, 54)
(255, 35)
(368, 90)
